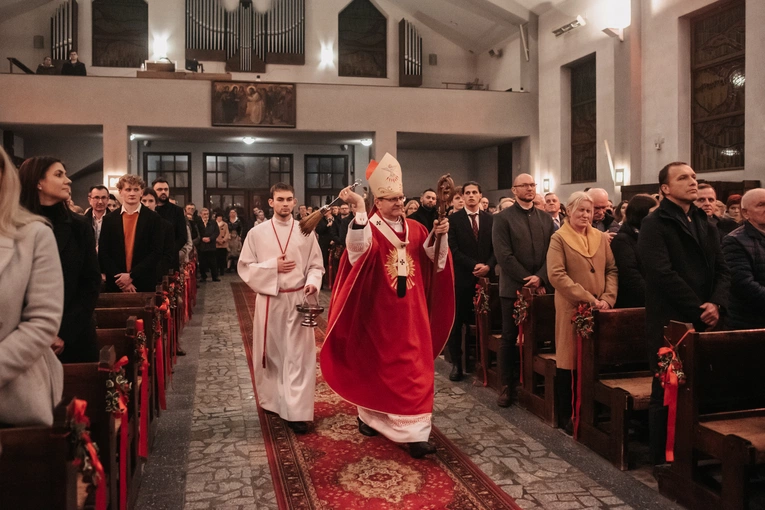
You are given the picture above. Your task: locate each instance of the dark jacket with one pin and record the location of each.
(521, 239)
(631, 283)
(609, 224)
(724, 225)
(339, 229)
(76, 69)
(467, 251)
(236, 226)
(683, 269)
(744, 251)
(41, 69)
(82, 284)
(212, 231)
(169, 258)
(147, 250)
(177, 219)
(324, 234)
(426, 216)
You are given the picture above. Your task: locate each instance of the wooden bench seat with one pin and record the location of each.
(616, 381)
(537, 393)
(720, 427)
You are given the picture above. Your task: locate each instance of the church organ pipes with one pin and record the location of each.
(410, 55)
(63, 30)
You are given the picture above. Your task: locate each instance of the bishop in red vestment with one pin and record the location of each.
(383, 336)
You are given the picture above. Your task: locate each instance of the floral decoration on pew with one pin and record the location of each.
(672, 377)
(85, 451)
(117, 398)
(670, 362)
(520, 314)
(583, 322)
(481, 300)
(481, 305)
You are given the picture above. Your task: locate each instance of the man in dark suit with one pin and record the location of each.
(521, 236)
(98, 197)
(473, 257)
(73, 66)
(339, 228)
(427, 212)
(686, 278)
(174, 215)
(130, 246)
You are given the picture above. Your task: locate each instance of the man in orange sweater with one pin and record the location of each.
(130, 245)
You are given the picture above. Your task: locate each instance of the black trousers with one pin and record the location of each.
(463, 315)
(207, 262)
(221, 254)
(508, 350)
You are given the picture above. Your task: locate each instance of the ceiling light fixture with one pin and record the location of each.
(248, 140)
(366, 142)
(578, 22)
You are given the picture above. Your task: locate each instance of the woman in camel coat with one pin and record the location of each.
(582, 269)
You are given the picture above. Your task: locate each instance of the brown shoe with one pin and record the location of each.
(505, 398)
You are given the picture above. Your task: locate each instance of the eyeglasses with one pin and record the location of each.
(395, 199)
(99, 199)
(526, 186)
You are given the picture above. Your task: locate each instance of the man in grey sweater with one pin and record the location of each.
(521, 236)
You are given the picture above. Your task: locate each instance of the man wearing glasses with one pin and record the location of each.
(383, 332)
(521, 235)
(98, 197)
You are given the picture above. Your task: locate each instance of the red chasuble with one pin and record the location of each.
(379, 349)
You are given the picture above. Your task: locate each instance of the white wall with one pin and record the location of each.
(167, 20)
(502, 73)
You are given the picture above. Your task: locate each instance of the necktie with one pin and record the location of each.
(475, 225)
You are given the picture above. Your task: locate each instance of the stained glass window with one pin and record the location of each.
(583, 122)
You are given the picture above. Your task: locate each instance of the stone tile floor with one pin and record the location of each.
(209, 451)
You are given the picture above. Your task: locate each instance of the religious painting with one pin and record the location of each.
(120, 33)
(253, 104)
(362, 41)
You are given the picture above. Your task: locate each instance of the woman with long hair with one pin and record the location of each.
(411, 207)
(581, 267)
(45, 190)
(31, 377)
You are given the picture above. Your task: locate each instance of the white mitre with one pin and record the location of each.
(385, 177)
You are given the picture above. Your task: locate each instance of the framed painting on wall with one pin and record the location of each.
(253, 104)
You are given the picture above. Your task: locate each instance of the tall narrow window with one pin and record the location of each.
(362, 41)
(583, 122)
(325, 176)
(174, 168)
(718, 79)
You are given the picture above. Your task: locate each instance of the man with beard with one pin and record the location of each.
(172, 214)
(427, 212)
(283, 267)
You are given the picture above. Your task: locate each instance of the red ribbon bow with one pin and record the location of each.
(76, 412)
(671, 376)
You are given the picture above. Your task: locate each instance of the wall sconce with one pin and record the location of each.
(546, 185)
(159, 48)
(615, 32)
(619, 176)
(366, 142)
(113, 180)
(249, 140)
(327, 56)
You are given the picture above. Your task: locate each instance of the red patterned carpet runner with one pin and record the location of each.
(333, 467)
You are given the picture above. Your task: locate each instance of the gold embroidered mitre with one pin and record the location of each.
(385, 177)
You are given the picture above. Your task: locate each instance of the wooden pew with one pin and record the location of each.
(86, 382)
(488, 320)
(124, 344)
(36, 470)
(615, 376)
(720, 427)
(537, 394)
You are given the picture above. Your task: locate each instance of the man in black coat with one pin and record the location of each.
(73, 66)
(686, 277)
(209, 232)
(744, 251)
(339, 228)
(427, 212)
(521, 236)
(473, 257)
(130, 266)
(173, 215)
(707, 197)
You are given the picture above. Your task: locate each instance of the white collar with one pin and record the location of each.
(137, 211)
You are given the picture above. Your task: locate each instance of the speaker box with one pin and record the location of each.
(38, 42)
(433, 59)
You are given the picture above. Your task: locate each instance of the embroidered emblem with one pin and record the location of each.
(391, 266)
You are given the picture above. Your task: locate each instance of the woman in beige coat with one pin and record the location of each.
(31, 304)
(582, 269)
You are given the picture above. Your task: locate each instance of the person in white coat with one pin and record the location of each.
(283, 267)
(31, 305)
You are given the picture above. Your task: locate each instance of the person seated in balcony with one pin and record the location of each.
(46, 67)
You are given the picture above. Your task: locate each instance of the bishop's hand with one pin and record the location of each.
(441, 226)
(352, 198)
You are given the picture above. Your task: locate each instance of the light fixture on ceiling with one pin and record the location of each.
(132, 137)
(578, 22)
(249, 140)
(366, 142)
(546, 185)
(619, 176)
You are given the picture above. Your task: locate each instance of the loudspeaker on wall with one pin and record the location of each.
(38, 42)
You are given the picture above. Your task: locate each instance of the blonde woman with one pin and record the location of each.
(411, 207)
(31, 377)
(582, 269)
